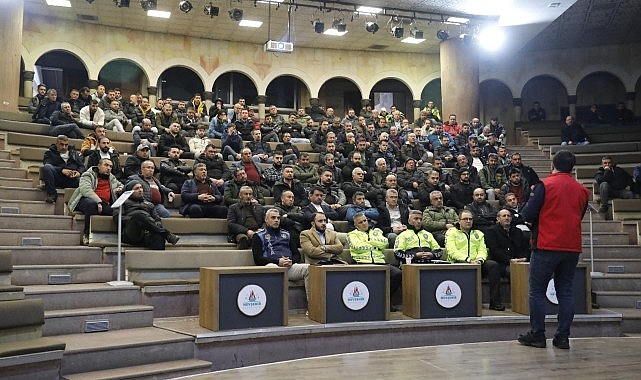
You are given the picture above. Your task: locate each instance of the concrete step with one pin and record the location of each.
(11, 206)
(123, 348)
(19, 193)
(166, 370)
(5, 154)
(631, 323)
(617, 282)
(613, 266)
(619, 299)
(61, 274)
(16, 182)
(606, 238)
(78, 321)
(601, 226)
(9, 163)
(39, 237)
(36, 222)
(619, 251)
(74, 296)
(54, 255)
(13, 172)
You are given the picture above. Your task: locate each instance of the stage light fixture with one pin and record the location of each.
(210, 10)
(319, 26)
(442, 35)
(148, 5)
(398, 31)
(122, 3)
(236, 14)
(90, 1)
(416, 33)
(371, 27)
(185, 6)
(341, 27)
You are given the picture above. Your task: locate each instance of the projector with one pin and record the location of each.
(279, 46)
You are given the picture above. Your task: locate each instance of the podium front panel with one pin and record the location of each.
(468, 281)
(243, 297)
(375, 310)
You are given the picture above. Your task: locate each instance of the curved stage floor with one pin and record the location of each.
(588, 358)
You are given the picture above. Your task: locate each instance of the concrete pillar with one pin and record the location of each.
(207, 98)
(153, 92)
(93, 85)
(416, 104)
(27, 85)
(11, 32)
(261, 99)
(629, 101)
(459, 79)
(510, 128)
(571, 106)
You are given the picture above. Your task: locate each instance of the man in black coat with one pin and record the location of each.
(505, 244)
(63, 166)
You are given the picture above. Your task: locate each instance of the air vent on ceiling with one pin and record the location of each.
(377, 47)
(554, 5)
(86, 17)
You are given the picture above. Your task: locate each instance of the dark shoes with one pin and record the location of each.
(603, 209)
(497, 307)
(529, 339)
(243, 242)
(562, 343)
(51, 198)
(172, 238)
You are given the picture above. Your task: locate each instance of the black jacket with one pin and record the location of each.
(75, 161)
(504, 245)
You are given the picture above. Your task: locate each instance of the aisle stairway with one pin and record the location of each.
(108, 333)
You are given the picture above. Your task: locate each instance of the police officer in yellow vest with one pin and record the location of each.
(415, 243)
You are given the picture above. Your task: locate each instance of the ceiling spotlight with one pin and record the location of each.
(210, 10)
(122, 3)
(442, 35)
(319, 26)
(398, 31)
(371, 27)
(236, 14)
(416, 33)
(466, 38)
(148, 5)
(185, 6)
(90, 1)
(340, 26)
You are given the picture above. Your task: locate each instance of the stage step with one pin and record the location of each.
(606, 238)
(75, 296)
(631, 323)
(74, 321)
(40, 207)
(123, 348)
(61, 274)
(615, 265)
(16, 182)
(54, 255)
(13, 172)
(36, 222)
(156, 371)
(612, 251)
(23, 237)
(617, 282)
(617, 299)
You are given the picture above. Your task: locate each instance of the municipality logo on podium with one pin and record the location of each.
(448, 294)
(251, 300)
(355, 295)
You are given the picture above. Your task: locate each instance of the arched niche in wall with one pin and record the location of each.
(340, 94)
(287, 92)
(61, 70)
(179, 83)
(124, 74)
(603, 89)
(432, 91)
(550, 92)
(234, 85)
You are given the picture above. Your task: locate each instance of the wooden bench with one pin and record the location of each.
(602, 149)
(626, 209)
(204, 232)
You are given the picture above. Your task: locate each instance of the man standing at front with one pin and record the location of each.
(556, 210)
(272, 246)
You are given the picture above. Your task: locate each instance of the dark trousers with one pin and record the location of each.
(70, 130)
(53, 179)
(545, 265)
(142, 229)
(493, 271)
(89, 207)
(206, 210)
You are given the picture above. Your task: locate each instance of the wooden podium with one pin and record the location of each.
(441, 290)
(348, 293)
(243, 297)
(520, 286)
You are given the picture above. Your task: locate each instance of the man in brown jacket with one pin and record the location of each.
(320, 245)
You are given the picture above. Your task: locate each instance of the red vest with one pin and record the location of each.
(559, 225)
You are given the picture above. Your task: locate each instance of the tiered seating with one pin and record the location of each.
(23, 351)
